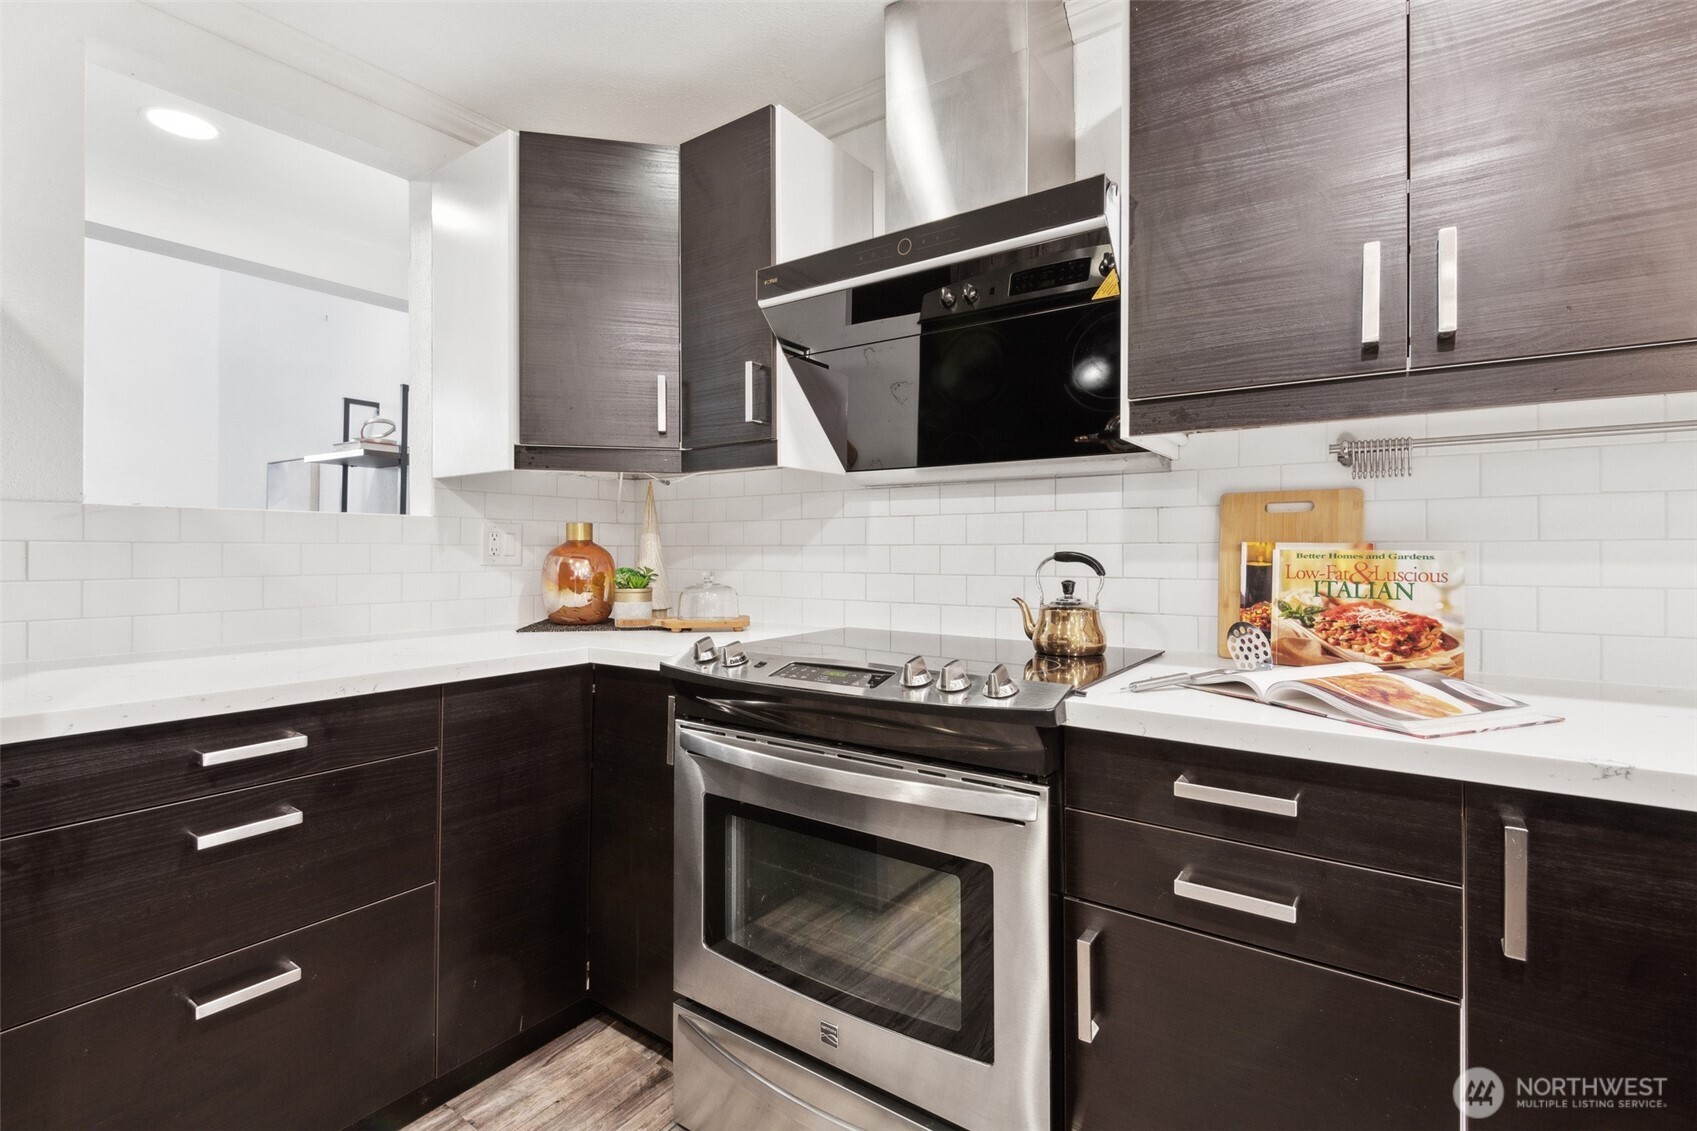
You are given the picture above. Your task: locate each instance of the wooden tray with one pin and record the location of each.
(678, 624)
(1334, 515)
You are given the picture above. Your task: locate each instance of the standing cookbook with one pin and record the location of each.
(1393, 609)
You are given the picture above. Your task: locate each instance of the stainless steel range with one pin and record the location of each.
(863, 881)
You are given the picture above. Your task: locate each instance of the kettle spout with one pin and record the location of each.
(1025, 611)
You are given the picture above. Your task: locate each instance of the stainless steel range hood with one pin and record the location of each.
(978, 105)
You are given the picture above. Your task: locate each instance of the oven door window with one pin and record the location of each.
(886, 931)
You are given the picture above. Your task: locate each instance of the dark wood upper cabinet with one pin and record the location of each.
(1559, 139)
(515, 857)
(630, 881)
(598, 293)
(1267, 144)
(1582, 960)
(725, 204)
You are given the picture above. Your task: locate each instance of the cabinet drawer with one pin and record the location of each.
(350, 1035)
(1396, 822)
(1195, 1032)
(91, 908)
(1395, 927)
(60, 780)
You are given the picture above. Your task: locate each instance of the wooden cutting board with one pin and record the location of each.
(1332, 515)
(678, 624)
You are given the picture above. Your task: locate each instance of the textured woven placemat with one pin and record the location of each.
(550, 626)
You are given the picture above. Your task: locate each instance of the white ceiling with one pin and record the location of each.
(635, 70)
(252, 192)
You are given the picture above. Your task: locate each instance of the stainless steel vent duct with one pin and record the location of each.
(978, 105)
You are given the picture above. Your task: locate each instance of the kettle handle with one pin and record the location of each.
(1078, 558)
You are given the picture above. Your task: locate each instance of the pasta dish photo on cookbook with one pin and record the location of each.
(1393, 609)
(1421, 704)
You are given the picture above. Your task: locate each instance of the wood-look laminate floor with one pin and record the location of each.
(601, 1076)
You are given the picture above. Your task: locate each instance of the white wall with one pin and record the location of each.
(287, 357)
(152, 378)
(44, 47)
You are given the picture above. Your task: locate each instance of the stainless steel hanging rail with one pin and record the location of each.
(1393, 456)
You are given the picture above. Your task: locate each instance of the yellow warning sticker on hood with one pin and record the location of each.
(1110, 287)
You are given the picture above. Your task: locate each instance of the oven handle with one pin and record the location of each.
(886, 784)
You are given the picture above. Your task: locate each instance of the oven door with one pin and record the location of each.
(887, 918)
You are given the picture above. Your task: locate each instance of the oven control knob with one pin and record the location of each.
(954, 678)
(915, 673)
(705, 652)
(733, 656)
(999, 684)
(969, 293)
(947, 297)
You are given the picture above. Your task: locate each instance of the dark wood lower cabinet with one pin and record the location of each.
(96, 907)
(1605, 998)
(1196, 1032)
(630, 887)
(350, 1035)
(515, 856)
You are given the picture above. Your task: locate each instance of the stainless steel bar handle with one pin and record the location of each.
(1087, 1026)
(865, 779)
(293, 740)
(1212, 795)
(660, 402)
(671, 728)
(204, 1009)
(749, 369)
(287, 819)
(1514, 890)
(1370, 293)
(1185, 888)
(1448, 275)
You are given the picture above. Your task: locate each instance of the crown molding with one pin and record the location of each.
(849, 110)
(1090, 18)
(265, 35)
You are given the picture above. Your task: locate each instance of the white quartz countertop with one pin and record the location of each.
(50, 702)
(1616, 743)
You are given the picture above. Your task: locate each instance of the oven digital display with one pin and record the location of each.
(831, 676)
(1050, 275)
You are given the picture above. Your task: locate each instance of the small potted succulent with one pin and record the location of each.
(633, 593)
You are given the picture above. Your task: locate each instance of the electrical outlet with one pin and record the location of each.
(500, 543)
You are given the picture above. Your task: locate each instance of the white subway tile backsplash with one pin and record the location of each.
(1548, 655)
(341, 557)
(261, 626)
(127, 598)
(131, 524)
(79, 639)
(261, 559)
(177, 632)
(40, 522)
(220, 594)
(1549, 472)
(65, 561)
(1603, 611)
(176, 559)
(1579, 555)
(1641, 514)
(40, 600)
(1649, 467)
(1649, 662)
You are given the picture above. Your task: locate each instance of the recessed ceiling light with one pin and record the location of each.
(180, 123)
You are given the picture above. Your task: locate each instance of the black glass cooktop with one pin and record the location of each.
(861, 646)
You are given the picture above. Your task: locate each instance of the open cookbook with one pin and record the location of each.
(1422, 704)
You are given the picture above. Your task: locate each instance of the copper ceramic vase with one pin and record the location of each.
(577, 579)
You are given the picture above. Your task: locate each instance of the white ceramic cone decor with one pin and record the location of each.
(650, 556)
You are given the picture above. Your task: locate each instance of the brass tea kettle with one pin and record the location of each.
(1068, 625)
